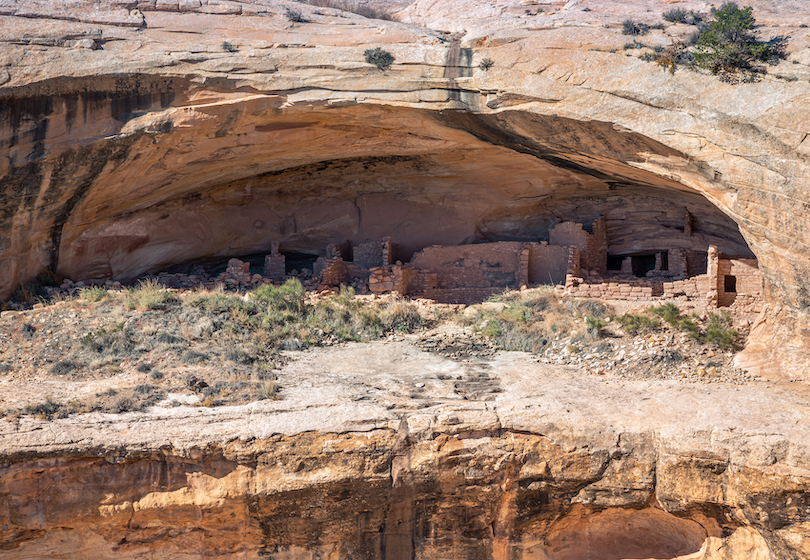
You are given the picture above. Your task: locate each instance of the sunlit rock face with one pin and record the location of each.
(557, 466)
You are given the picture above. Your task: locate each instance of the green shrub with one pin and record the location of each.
(229, 47)
(669, 312)
(94, 293)
(630, 27)
(492, 329)
(288, 297)
(634, 324)
(594, 323)
(719, 331)
(150, 294)
(486, 64)
(219, 302)
(728, 44)
(379, 57)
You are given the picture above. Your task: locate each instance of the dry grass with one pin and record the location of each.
(149, 294)
(531, 321)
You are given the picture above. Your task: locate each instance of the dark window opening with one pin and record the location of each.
(642, 264)
(614, 263)
(295, 260)
(664, 260)
(730, 284)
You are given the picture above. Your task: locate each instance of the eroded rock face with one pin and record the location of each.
(372, 453)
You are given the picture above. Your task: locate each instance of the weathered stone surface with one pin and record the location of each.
(162, 145)
(358, 461)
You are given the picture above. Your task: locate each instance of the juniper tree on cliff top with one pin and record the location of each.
(729, 44)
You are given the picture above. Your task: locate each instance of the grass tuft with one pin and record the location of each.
(149, 294)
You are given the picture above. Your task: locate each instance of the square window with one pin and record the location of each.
(730, 284)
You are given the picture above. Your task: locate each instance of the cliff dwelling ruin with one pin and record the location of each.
(576, 260)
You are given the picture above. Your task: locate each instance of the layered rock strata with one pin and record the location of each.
(374, 453)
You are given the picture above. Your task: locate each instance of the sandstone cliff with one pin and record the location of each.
(372, 454)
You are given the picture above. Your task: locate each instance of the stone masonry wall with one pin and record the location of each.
(748, 281)
(597, 245)
(485, 265)
(368, 255)
(568, 234)
(547, 264)
(275, 264)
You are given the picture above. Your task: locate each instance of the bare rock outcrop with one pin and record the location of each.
(372, 454)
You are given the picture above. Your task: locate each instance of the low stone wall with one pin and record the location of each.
(625, 289)
(466, 296)
(695, 287)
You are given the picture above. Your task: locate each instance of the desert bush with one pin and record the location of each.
(379, 57)
(65, 367)
(149, 294)
(169, 339)
(676, 15)
(193, 357)
(719, 331)
(123, 404)
(679, 15)
(267, 390)
(238, 356)
(114, 343)
(94, 293)
(45, 411)
(295, 16)
(635, 324)
(400, 316)
(143, 368)
(227, 46)
(48, 278)
(486, 64)
(531, 320)
(729, 45)
(630, 27)
(156, 375)
(671, 314)
(26, 294)
(289, 297)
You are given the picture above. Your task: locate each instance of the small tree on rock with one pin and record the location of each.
(729, 44)
(380, 58)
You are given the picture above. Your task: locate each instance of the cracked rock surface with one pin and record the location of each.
(381, 450)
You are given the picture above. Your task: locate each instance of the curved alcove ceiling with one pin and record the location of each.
(186, 179)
